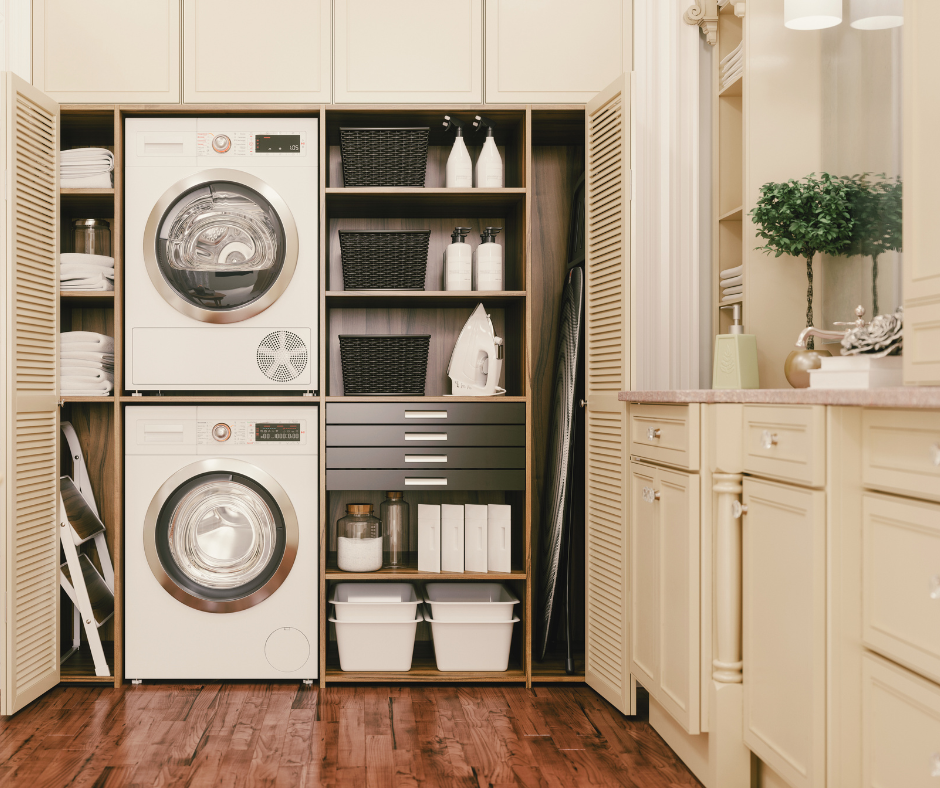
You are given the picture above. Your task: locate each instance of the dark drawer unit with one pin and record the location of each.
(424, 435)
(443, 458)
(425, 480)
(425, 413)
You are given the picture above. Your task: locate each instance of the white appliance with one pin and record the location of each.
(221, 542)
(477, 360)
(221, 254)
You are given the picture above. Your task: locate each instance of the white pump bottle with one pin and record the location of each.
(458, 261)
(489, 169)
(459, 170)
(488, 272)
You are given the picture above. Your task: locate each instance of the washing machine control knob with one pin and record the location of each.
(221, 143)
(221, 432)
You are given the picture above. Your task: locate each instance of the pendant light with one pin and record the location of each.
(811, 14)
(876, 14)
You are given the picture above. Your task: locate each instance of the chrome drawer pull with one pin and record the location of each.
(935, 454)
(425, 436)
(768, 439)
(425, 458)
(935, 587)
(650, 495)
(653, 433)
(425, 414)
(425, 482)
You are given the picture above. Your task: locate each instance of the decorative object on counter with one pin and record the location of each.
(884, 336)
(395, 514)
(384, 156)
(475, 533)
(488, 267)
(429, 538)
(86, 364)
(735, 365)
(477, 360)
(384, 364)
(801, 218)
(458, 261)
(489, 170)
(499, 537)
(86, 168)
(92, 237)
(452, 538)
(384, 259)
(85, 272)
(458, 173)
(871, 355)
(359, 539)
(800, 363)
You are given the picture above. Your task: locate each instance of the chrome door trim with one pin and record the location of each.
(238, 314)
(221, 466)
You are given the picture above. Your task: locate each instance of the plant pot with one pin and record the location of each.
(799, 363)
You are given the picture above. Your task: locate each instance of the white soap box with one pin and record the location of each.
(857, 372)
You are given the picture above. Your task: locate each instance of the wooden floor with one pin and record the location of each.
(245, 734)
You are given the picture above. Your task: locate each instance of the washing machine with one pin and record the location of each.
(221, 542)
(221, 254)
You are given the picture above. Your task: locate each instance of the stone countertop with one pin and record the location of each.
(900, 397)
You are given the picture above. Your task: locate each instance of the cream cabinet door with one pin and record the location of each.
(784, 630)
(289, 42)
(29, 412)
(666, 592)
(107, 51)
(409, 51)
(545, 51)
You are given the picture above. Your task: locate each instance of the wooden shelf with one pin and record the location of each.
(734, 88)
(220, 399)
(734, 215)
(504, 398)
(422, 298)
(397, 202)
(87, 192)
(552, 669)
(103, 400)
(333, 572)
(90, 298)
(423, 669)
(80, 667)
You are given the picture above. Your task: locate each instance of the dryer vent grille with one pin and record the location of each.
(282, 356)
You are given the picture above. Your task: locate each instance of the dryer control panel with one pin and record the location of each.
(250, 143)
(249, 433)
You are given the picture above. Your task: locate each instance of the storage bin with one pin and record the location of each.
(472, 645)
(384, 157)
(470, 602)
(384, 259)
(386, 646)
(384, 364)
(375, 602)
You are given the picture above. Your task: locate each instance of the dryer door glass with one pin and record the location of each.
(220, 246)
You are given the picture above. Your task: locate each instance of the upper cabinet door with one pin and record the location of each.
(108, 51)
(555, 51)
(29, 413)
(409, 51)
(243, 51)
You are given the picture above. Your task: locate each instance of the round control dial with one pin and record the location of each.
(221, 432)
(221, 143)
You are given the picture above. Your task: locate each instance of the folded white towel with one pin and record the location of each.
(732, 281)
(730, 272)
(726, 299)
(732, 76)
(79, 157)
(81, 363)
(100, 181)
(92, 283)
(732, 53)
(732, 64)
(79, 258)
(734, 289)
(86, 340)
(78, 271)
(86, 355)
(78, 382)
(90, 167)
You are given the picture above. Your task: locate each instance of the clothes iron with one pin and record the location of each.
(477, 359)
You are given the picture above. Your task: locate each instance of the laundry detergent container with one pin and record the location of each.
(479, 646)
(470, 602)
(386, 646)
(385, 602)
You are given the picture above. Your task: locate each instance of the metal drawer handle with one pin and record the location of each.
(738, 509)
(425, 482)
(425, 458)
(654, 432)
(650, 495)
(425, 436)
(935, 765)
(935, 454)
(425, 414)
(768, 439)
(935, 587)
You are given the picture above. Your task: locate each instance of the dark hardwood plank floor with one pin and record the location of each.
(247, 734)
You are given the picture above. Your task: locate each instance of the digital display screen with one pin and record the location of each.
(277, 143)
(288, 431)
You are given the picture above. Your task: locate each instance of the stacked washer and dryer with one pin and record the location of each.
(221, 294)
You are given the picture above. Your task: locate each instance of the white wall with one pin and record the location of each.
(16, 37)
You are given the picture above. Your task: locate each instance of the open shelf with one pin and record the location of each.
(734, 215)
(79, 668)
(392, 201)
(222, 398)
(87, 298)
(92, 399)
(333, 572)
(552, 669)
(420, 298)
(423, 669)
(66, 193)
(733, 88)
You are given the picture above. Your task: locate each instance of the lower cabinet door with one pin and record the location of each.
(666, 589)
(784, 630)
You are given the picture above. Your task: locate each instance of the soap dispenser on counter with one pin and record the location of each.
(488, 262)
(459, 169)
(489, 169)
(735, 356)
(458, 261)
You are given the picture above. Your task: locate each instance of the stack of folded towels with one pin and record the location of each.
(86, 364)
(85, 271)
(732, 65)
(86, 168)
(732, 284)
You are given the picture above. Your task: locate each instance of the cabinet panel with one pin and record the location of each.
(644, 575)
(425, 413)
(289, 43)
(901, 452)
(424, 479)
(425, 435)
(107, 51)
(409, 51)
(784, 630)
(669, 434)
(544, 51)
(373, 457)
(787, 443)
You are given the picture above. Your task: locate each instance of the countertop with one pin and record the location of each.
(900, 397)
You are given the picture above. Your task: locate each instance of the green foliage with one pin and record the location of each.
(876, 212)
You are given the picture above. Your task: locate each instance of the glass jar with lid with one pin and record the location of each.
(396, 527)
(91, 236)
(359, 539)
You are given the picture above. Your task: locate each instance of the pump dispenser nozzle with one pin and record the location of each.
(453, 123)
(488, 236)
(480, 123)
(736, 327)
(459, 235)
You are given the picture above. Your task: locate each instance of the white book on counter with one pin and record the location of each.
(499, 537)
(451, 538)
(475, 538)
(429, 538)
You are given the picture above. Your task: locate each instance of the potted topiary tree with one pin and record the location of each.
(802, 218)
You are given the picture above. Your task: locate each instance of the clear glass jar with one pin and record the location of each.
(359, 539)
(91, 236)
(396, 525)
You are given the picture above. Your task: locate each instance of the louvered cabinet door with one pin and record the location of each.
(29, 419)
(607, 354)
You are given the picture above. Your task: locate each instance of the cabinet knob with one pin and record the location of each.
(583, 403)
(738, 509)
(650, 495)
(653, 432)
(935, 587)
(768, 439)
(935, 454)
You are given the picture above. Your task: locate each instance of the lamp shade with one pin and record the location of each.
(811, 14)
(876, 14)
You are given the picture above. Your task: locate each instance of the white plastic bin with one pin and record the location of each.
(472, 645)
(470, 602)
(372, 602)
(376, 645)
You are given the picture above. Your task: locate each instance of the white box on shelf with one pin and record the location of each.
(374, 602)
(376, 645)
(499, 537)
(858, 372)
(429, 538)
(470, 602)
(474, 558)
(451, 537)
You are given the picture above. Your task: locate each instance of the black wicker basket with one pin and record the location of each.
(384, 259)
(384, 157)
(384, 364)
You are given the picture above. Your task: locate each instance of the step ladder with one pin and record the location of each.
(91, 591)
